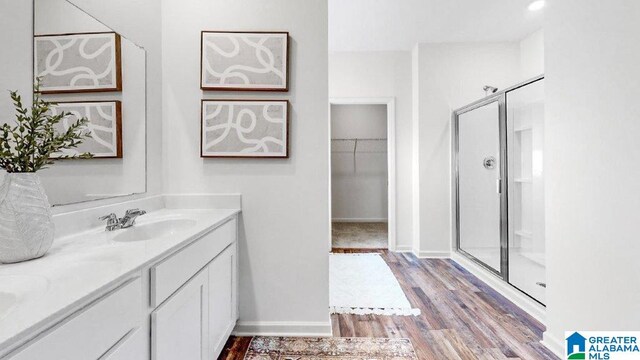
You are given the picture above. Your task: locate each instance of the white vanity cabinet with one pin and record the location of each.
(183, 306)
(195, 321)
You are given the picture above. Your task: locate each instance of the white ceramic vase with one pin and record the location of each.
(26, 224)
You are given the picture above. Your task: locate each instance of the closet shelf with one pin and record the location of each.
(354, 139)
(359, 145)
(356, 146)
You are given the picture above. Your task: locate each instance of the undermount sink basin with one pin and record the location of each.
(16, 287)
(7, 301)
(156, 229)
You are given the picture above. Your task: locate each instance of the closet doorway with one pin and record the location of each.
(362, 165)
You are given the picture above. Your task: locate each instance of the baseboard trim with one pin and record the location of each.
(432, 254)
(512, 294)
(359, 220)
(556, 346)
(403, 248)
(283, 328)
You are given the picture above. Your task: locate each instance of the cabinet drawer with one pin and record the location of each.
(135, 345)
(175, 271)
(91, 332)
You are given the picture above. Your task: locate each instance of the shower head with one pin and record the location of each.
(488, 89)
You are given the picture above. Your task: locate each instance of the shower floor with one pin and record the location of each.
(526, 268)
(489, 256)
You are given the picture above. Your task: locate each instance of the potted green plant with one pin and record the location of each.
(26, 224)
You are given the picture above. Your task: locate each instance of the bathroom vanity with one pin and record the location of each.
(165, 288)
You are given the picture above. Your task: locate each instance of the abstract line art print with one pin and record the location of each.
(104, 127)
(79, 62)
(244, 61)
(245, 128)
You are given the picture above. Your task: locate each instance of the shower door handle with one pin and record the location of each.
(499, 186)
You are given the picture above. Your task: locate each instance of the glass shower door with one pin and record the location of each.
(525, 141)
(478, 184)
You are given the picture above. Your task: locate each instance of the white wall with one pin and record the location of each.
(359, 181)
(368, 121)
(383, 74)
(593, 167)
(448, 76)
(414, 245)
(532, 55)
(284, 234)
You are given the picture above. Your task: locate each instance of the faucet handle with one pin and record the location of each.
(129, 217)
(111, 217)
(112, 221)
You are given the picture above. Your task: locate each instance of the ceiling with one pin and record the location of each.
(383, 25)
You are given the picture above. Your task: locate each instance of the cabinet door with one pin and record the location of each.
(179, 329)
(236, 284)
(222, 299)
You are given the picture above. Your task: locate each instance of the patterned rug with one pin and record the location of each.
(291, 348)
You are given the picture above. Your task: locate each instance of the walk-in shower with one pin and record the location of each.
(499, 185)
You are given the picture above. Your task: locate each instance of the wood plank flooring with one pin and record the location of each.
(462, 318)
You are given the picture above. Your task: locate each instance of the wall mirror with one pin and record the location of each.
(90, 70)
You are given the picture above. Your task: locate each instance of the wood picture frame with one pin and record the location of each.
(116, 151)
(50, 48)
(225, 121)
(237, 63)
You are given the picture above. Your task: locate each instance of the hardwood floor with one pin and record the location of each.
(235, 348)
(462, 318)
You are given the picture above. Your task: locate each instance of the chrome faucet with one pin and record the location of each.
(128, 220)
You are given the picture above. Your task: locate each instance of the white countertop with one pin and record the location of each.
(82, 267)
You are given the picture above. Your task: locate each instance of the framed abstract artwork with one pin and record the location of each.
(105, 127)
(245, 128)
(78, 62)
(244, 61)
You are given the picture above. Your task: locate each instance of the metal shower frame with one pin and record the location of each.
(501, 98)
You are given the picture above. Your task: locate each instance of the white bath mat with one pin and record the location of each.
(364, 284)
